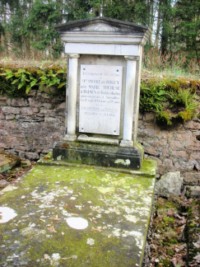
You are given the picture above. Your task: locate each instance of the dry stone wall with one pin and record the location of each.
(176, 149)
(30, 127)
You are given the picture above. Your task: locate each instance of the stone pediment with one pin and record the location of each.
(102, 24)
(98, 27)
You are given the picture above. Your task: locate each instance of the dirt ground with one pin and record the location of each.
(174, 235)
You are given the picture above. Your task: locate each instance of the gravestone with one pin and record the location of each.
(104, 62)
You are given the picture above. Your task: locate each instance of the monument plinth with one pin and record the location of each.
(104, 61)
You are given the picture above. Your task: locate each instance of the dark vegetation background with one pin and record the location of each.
(27, 27)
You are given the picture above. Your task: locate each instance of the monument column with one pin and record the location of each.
(72, 96)
(137, 96)
(131, 65)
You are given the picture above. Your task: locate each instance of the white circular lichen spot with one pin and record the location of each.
(6, 214)
(77, 223)
(90, 241)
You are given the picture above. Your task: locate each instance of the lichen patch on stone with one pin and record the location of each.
(77, 223)
(125, 162)
(6, 214)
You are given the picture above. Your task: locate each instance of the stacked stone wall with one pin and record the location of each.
(30, 127)
(176, 149)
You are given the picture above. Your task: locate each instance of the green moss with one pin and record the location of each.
(185, 115)
(170, 252)
(148, 168)
(165, 263)
(164, 206)
(164, 118)
(140, 148)
(50, 194)
(168, 220)
(74, 250)
(172, 100)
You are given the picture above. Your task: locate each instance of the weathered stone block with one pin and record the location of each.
(96, 154)
(169, 184)
(50, 120)
(61, 106)
(3, 183)
(18, 102)
(193, 191)
(1, 115)
(10, 117)
(7, 161)
(32, 155)
(192, 178)
(149, 117)
(180, 154)
(11, 110)
(33, 102)
(26, 111)
(193, 125)
(46, 106)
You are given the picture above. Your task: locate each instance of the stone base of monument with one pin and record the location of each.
(99, 154)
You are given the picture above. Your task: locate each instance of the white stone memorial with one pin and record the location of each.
(104, 62)
(100, 99)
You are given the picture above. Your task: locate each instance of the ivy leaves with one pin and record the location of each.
(24, 80)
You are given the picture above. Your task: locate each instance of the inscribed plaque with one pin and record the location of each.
(100, 99)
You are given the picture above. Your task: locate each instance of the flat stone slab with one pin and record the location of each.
(75, 216)
(7, 161)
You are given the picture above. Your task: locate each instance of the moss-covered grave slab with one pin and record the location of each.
(75, 216)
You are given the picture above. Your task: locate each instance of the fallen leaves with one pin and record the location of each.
(51, 229)
(168, 247)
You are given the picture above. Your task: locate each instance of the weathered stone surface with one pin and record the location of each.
(10, 110)
(33, 102)
(75, 216)
(191, 178)
(25, 163)
(7, 161)
(29, 111)
(27, 131)
(61, 106)
(169, 184)
(149, 117)
(193, 125)
(19, 102)
(51, 119)
(174, 149)
(98, 154)
(10, 117)
(32, 155)
(3, 183)
(3, 99)
(193, 191)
